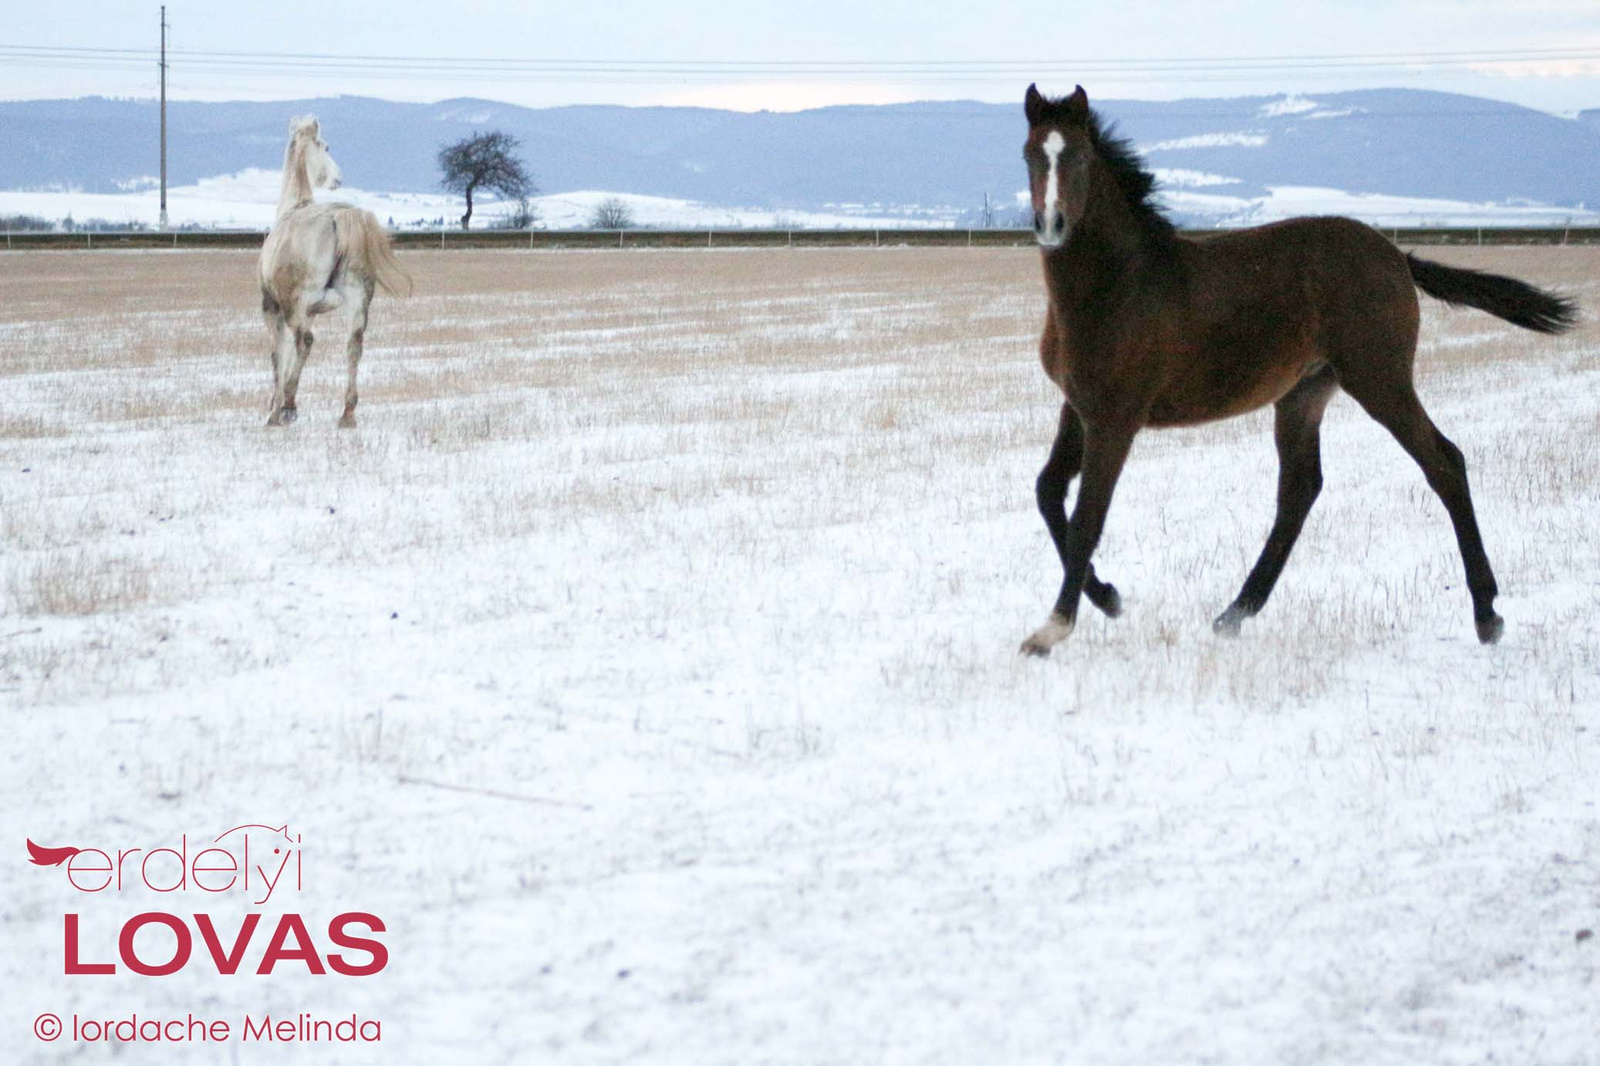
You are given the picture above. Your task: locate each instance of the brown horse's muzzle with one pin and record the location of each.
(1050, 228)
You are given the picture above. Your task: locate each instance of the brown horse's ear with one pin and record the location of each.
(1077, 105)
(1033, 105)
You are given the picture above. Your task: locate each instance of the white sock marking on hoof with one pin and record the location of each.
(1047, 636)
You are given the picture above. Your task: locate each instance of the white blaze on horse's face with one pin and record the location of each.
(1051, 226)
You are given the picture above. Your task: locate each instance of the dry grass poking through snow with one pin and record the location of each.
(731, 552)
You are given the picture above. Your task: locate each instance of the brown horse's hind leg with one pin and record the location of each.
(1297, 431)
(1402, 414)
(1066, 459)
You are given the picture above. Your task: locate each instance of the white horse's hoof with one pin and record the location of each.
(1047, 636)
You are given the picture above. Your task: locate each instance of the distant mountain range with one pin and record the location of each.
(935, 158)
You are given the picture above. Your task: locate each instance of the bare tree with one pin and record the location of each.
(611, 213)
(521, 216)
(484, 161)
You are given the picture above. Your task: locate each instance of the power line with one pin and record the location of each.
(301, 64)
(1312, 58)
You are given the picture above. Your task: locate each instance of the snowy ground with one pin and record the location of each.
(646, 660)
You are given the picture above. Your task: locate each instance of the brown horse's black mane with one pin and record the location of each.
(1137, 184)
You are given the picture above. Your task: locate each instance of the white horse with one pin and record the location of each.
(318, 258)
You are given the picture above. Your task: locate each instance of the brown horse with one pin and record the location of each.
(1147, 328)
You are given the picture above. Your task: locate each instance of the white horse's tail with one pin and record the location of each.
(364, 245)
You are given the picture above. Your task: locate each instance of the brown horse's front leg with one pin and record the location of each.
(1105, 449)
(1050, 491)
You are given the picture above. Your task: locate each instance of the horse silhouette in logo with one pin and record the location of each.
(276, 830)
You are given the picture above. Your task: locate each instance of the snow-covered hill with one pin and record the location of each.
(1394, 156)
(249, 199)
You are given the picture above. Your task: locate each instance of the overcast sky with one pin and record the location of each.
(1542, 53)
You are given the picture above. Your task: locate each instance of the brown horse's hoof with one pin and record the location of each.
(1047, 636)
(1229, 621)
(348, 420)
(1109, 600)
(1489, 629)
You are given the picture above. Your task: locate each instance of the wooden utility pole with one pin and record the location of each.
(163, 116)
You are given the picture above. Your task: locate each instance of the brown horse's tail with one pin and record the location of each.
(1515, 301)
(364, 243)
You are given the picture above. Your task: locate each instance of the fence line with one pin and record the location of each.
(445, 239)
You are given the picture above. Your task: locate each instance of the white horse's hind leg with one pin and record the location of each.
(358, 334)
(314, 302)
(282, 356)
(291, 379)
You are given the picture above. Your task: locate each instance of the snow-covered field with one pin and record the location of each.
(646, 661)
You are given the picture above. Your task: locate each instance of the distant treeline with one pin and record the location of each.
(24, 223)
